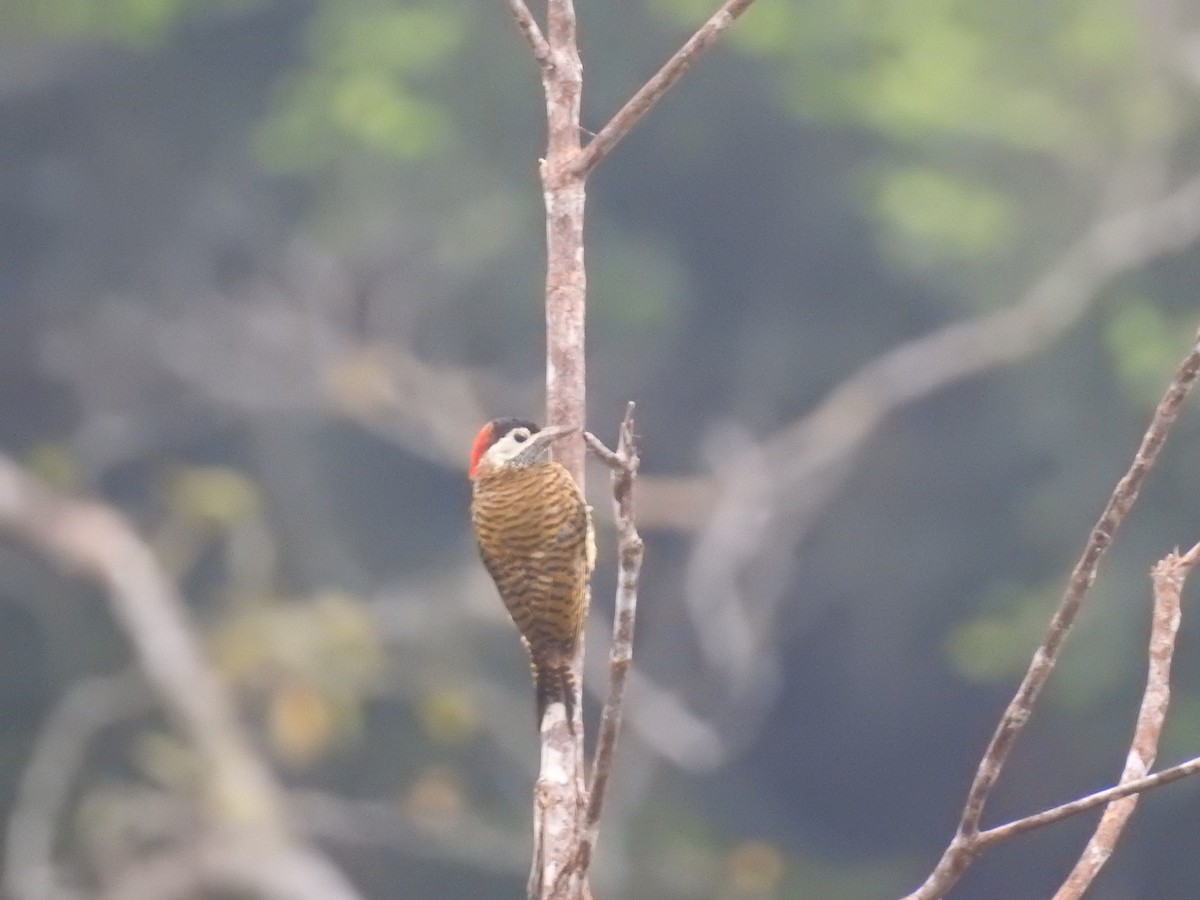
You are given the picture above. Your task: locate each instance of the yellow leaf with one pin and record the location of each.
(436, 795)
(216, 494)
(53, 462)
(302, 723)
(755, 868)
(449, 716)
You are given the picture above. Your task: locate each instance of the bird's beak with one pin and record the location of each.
(552, 433)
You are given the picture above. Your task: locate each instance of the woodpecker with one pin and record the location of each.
(534, 531)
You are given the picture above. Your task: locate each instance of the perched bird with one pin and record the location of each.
(534, 530)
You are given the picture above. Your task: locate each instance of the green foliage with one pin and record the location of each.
(53, 462)
(1145, 343)
(982, 100)
(217, 495)
(636, 286)
(309, 662)
(1032, 76)
(932, 214)
(1181, 726)
(123, 21)
(994, 647)
(448, 716)
(360, 89)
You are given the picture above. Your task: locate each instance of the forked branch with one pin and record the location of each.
(987, 838)
(653, 90)
(565, 822)
(968, 840)
(529, 27)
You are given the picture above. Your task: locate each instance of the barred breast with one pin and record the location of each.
(535, 536)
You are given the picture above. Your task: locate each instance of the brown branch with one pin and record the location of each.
(964, 846)
(243, 799)
(984, 839)
(630, 550)
(653, 90)
(560, 806)
(560, 795)
(566, 279)
(1168, 576)
(529, 27)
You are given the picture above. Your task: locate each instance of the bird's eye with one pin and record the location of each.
(520, 435)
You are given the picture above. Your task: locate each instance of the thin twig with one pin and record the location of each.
(1168, 577)
(984, 839)
(630, 550)
(964, 847)
(533, 34)
(653, 90)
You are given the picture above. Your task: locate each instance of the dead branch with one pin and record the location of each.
(653, 90)
(560, 794)
(1001, 833)
(630, 549)
(560, 849)
(533, 33)
(1168, 576)
(242, 798)
(964, 847)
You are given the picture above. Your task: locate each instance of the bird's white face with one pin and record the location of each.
(511, 446)
(520, 446)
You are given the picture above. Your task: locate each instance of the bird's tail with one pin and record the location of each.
(555, 684)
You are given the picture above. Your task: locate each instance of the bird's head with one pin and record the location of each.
(514, 444)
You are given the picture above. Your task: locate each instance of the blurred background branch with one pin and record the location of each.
(238, 793)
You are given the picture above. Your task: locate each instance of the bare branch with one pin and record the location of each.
(964, 847)
(1168, 577)
(560, 795)
(566, 277)
(804, 453)
(1001, 833)
(48, 781)
(226, 865)
(630, 550)
(90, 538)
(529, 27)
(654, 89)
